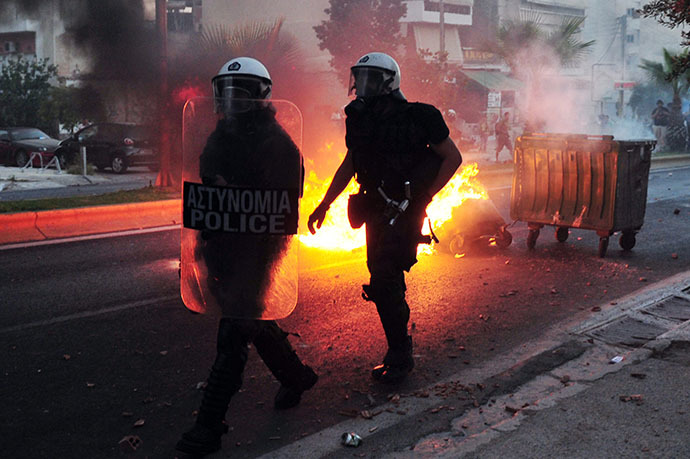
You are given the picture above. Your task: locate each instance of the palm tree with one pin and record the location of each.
(530, 51)
(666, 74)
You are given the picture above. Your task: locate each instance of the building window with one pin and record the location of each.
(630, 38)
(452, 9)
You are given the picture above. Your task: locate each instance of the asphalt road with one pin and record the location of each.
(96, 341)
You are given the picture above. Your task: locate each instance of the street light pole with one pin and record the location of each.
(164, 178)
(442, 23)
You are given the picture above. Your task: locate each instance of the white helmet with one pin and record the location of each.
(240, 78)
(374, 74)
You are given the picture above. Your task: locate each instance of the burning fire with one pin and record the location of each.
(336, 234)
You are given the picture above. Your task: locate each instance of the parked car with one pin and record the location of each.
(18, 143)
(114, 145)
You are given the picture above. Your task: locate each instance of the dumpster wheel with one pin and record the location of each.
(532, 238)
(627, 240)
(562, 234)
(457, 245)
(504, 238)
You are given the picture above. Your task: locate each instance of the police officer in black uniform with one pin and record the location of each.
(248, 147)
(401, 155)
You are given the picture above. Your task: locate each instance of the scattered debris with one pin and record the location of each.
(638, 375)
(596, 309)
(637, 398)
(139, 422)
(129, 443)
(350, 439)
(565, 379)
(643, 279)
(127, 414)
(90, 385)
(201, 385)
(66, 356)
(676, 211)
(511, 409)
(554, 291)
(617, 359)
(373, 429)
(163, 352)
(674, 256)
(366, 414)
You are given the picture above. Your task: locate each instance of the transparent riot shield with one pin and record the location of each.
(242, 180)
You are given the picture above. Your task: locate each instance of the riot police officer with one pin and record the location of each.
(401, 155)
(248, 148)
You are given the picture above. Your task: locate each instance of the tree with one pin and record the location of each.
(356, 27)
(24, 87)
(69, 106)
(530, 52)
(672, 13)
(668, 74)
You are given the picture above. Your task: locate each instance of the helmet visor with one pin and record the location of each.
(238, 94)
(369, 81)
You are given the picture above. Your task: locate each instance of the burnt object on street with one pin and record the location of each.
(580, 181)
(475, 223)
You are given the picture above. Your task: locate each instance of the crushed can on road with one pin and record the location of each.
(350, 439)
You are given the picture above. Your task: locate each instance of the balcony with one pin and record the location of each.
(457, 12)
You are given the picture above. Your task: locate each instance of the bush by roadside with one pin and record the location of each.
(120, 197)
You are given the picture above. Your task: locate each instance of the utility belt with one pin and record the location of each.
(368, 206)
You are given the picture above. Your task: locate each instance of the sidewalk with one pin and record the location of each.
(590, 407)
(614, 386)
(15, 178)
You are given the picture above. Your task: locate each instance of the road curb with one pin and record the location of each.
(51, 224)
(568, 364)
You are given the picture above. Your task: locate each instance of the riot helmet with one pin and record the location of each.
(374, 74)
(239, 83)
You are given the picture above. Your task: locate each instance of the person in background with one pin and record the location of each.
(502, 130)
(483, 133)
(660, 118)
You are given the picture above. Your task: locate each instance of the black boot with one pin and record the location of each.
(396, 365)
(290, 396)
(398, 362)
(272, 345)
(223, 382)
(201, 440)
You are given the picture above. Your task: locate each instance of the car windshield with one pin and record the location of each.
(24, 134)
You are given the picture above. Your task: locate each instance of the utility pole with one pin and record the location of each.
(624, 39)
(164, 178)
(442, 23)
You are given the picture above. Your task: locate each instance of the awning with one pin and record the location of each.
(495, 81)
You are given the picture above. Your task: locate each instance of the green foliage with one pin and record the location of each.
(145, 194)
(525, 46)
(24, 86)
(356, 27)
(672, 13)
(69, 106)
(670, 74)
(644, 96)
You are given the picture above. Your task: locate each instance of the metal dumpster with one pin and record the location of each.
(581, 181)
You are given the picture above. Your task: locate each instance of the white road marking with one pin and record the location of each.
(23, 245)
(85, 314)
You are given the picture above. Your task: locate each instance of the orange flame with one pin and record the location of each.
(336, 234)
